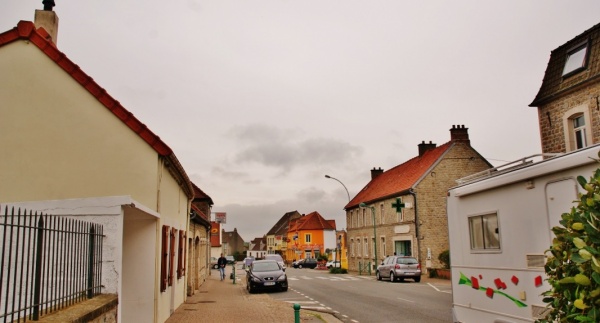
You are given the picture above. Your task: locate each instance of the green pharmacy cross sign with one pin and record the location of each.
(398, 205)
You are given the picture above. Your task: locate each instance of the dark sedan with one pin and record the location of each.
(306, 263)
(266, 275)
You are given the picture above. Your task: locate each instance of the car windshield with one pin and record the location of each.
(265, 266)
(407, 261)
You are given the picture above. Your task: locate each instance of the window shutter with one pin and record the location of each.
(172, 257)
(164, 258)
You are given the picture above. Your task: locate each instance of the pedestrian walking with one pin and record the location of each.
(222, 262)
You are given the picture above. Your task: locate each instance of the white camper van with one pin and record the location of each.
(499, 226)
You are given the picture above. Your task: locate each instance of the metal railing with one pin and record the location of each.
(46, 263)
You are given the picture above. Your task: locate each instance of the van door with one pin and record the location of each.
(560, 197)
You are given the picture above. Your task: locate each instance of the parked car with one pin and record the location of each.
(266, 275)
(277, 258)
(398, 268)
(306, 263)
(334, 264)
(247, 262)
(230, 260)
(213, 263)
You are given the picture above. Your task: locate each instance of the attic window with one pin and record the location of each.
(576, 59)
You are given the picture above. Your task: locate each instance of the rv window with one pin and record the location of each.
(483, 230)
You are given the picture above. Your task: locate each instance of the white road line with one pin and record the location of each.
(438, 290)
(406, 300)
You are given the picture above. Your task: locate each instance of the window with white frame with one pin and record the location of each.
(373, 246)
(577, 131)
(352, 247)
(383, 248)
(364, 217)
(366, 248)
(382, 221)
(576, 59)
(484, 233)
(358, 247)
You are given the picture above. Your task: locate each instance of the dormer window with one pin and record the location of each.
(576, 59)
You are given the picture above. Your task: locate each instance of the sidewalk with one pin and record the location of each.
(223, 301)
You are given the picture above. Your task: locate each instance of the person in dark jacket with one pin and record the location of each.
(222, 262)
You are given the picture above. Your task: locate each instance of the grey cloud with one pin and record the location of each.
(272, 146)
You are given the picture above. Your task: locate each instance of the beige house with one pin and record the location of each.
(277, 236)
(403, 210)
(569, 99)
(72, 149)
(199, 241)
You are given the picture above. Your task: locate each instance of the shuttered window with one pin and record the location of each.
(172, 256)
(164, 258)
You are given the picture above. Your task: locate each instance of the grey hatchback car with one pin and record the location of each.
(398, 268)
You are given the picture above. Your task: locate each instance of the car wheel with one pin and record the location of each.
(215, 266)
(284, 289)
(300, 266)
(417, 279)
(250, 290)
(378, 275)
(392, 277)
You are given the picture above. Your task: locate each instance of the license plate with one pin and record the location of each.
(269, 283)
(409, 273)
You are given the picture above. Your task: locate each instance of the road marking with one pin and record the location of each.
(438, 290)
(406, 300)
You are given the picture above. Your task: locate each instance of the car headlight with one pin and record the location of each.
(256, 279)
(281, 278)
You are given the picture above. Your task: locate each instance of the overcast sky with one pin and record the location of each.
(260, 99)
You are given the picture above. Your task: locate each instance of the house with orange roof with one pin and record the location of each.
(71, 149)
(277, 235)
(310, 236)
(403, 210)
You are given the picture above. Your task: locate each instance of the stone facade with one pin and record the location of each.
(566, 96)
(425, 203)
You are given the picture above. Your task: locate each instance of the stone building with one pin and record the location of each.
(232, 242)
(409, 194)
(568, 101)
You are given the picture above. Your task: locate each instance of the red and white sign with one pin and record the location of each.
(221, 217)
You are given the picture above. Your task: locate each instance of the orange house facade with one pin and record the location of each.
(310, 236)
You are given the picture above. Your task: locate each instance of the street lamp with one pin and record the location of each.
(339, 244)
(374, 230)
(327, 176)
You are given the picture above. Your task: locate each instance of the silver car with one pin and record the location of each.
(398, 268)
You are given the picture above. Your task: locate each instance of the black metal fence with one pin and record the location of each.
(47, 263)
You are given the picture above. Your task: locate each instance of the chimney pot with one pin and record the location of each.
(459, 133)
(376, 172)
(423, 147)
(48, 20)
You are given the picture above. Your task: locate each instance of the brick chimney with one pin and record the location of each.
(459, 133)
(376, 172)
(423, 147)
(48, 20)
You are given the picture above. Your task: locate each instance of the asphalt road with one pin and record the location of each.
(364, 299)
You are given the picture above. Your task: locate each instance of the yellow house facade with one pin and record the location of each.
(310, 236)
(68, 142)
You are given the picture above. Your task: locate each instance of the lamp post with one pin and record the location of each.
(327, 176)
(339, 244)
(374, 230)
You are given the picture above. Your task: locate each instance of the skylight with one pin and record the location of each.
(576, 59)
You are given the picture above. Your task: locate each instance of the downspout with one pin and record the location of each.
(412, 192)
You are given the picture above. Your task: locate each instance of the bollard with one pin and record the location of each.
(233, 272)
(296, 313)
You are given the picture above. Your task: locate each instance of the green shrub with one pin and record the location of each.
(444, 258)
(573, 268)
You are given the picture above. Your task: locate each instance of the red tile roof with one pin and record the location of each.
(199, 194)
(400, 178)
(311, 221)
(26, 30)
